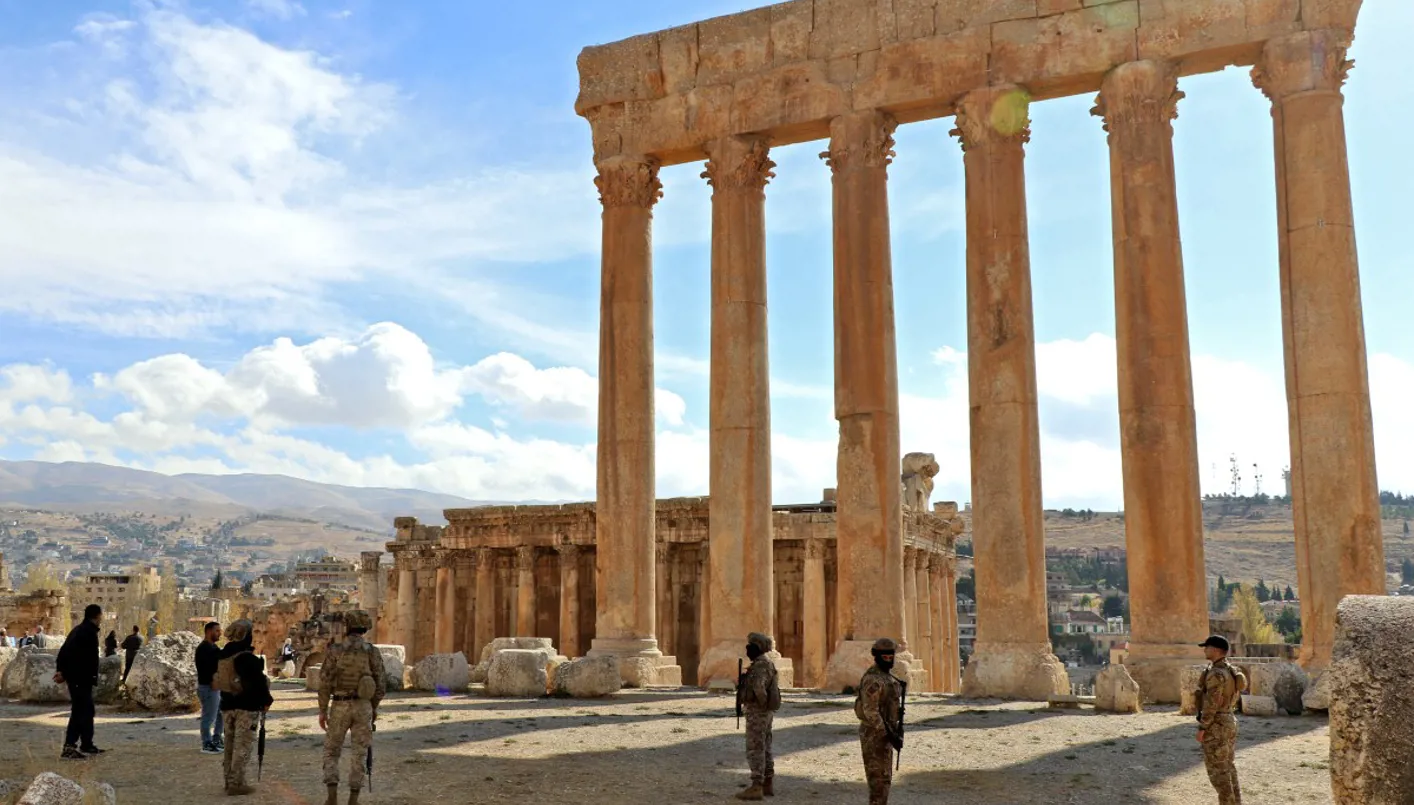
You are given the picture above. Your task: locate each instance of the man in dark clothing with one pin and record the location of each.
(110, 644)
(207, 657)
(131, 644)
(77, 667)
(241, 711)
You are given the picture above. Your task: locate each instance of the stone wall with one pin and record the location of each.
(22, 611)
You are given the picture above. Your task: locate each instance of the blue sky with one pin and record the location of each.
(357, 242)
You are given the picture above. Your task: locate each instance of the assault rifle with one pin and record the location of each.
(902, 706)
(368, 759)
(740, 683)
(260, 749)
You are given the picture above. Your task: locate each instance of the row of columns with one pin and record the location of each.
(1339, 551)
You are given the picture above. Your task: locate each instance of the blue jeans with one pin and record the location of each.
(210, 699)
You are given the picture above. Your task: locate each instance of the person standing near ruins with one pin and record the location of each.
(352, 683)
(77, 668)
(877, 707)
(208, 656)
(1219, 688)
(110, 644)
(245, 694)
(131, 644)
(760, 699)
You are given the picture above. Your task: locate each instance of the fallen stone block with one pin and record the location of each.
(30, 678)
(638, 672)
(7, 656)
(163, 676)
(1116, 691)
(1290, 687)
(441, 673)
(588, 678)
(51, 789)
(1372, 701)
(1317, 697)
(110, 680)
(517, 673)
(394, 666)
(1261, 706)
(1187, 687)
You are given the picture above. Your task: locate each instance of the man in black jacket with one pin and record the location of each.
(131, 644)
(208, 655)
(77, 667)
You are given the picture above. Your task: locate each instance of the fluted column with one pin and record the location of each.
(569, 599)
(663, 557)
(910, 601)
(1013, 658)
(954, 655)
(943, 640)
(923, 610)
(446, 614)
(1163, 518)
(815, 648)
(869, 537)
(704, 600)
(624, 511)
(740, 411)
(525, 591)
(464, 579)
(1339, 549)
(485, 598)
(407, 608)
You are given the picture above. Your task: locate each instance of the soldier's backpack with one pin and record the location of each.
(352, 674)
(226, 679)
(1240, 680)
(773, 693)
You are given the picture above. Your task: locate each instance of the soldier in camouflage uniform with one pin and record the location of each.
(760, 699)
(877, 707)
(1218, 692)
(352, 683)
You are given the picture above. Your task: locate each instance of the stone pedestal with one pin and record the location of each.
(1163, 518)
(1335, 500)
(1013, 658)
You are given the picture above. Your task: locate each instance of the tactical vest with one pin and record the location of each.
(351, 668)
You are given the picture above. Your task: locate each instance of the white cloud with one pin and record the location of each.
(280, 9)
(26, 382)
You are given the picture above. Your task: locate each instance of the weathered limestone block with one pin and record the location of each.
(394, 665)
(1187, 686)
(489, 651)
(588, 678)
(1264, 706)
(7, 656)
(311, 677)
(1020, 671)
(442, 673)
(1289, 688)
(785, 670)
(1116, 691)
(1317, 697)
(51, 789)
(638, 672)
(10, 790)
(517, 673)
(1372, 701)
(110, 680)
(30, 678)
(163, 676)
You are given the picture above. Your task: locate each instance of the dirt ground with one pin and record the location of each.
(680, 747)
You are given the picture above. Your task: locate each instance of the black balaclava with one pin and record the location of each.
(884, 664)
(753, 651)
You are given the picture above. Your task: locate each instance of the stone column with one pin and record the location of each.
(944, 638)
(869, 535)
(446, 614)
(525, 591)
(815, 647)
(704, 601)
(370, 582)
(1339, 550)
(407, 608)
(1163, 517)
(1013, 658)
(624, 513)
(910, 602)
(662, 575)
(923, 610)
(485, 598)
(954, 658)
(740, 411)
(569, 600)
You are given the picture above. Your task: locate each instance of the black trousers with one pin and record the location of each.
(80, 731)
(128, 663)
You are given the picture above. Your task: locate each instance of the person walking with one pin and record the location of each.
(760, 699)
(877, 707)
(1219, 689)
(5, 641)
(131, 644)
(110, 644)
(245, 694)
(207, 657)
(77, 668)
(352, 683)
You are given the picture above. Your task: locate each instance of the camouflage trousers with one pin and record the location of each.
(241, 728)
(758, 745)
(356, 718)
(878, 764)
(1219, 750)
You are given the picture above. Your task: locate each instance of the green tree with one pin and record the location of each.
(41, 576)
(1408, 568)
(1289, 595)
(1288, 622)
(216, 581)
(1263, 594)
(1254, 621)
(1086, 602)
(1112, 606)
(1406, 528)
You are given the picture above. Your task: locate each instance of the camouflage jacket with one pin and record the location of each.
(344, 663)
(877, 702)
(1219, 689)
(761, 690)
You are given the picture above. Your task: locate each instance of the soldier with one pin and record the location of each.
(877, 707)
(353, 678)
(760, 699)
(1218, 691)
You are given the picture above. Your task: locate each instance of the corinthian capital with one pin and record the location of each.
(739, 163)
(1137, 93)
(1311, 61)
(994, 116)
(860, 139)
(628, 182)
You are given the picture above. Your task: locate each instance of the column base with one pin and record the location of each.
(1024, 671)
(717, 670)
(849, 662)
(916, 676)
(641, 664)
(1158, 668)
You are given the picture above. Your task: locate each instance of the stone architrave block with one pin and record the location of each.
(51, 789)
(1289, 688)
(588, 678)
(110, 680)
(1187, 687)
(1372, 701)
(163, 676)
(394, 665)
(441, 673)
(1263, 706)
(1116, 691)
(30, 678)
(517, 674)
(311, 677)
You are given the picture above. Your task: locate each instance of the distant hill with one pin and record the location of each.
(82, 487)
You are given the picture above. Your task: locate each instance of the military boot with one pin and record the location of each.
(768, 786)
(752, 793)
(353, 796)
(333, 798)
